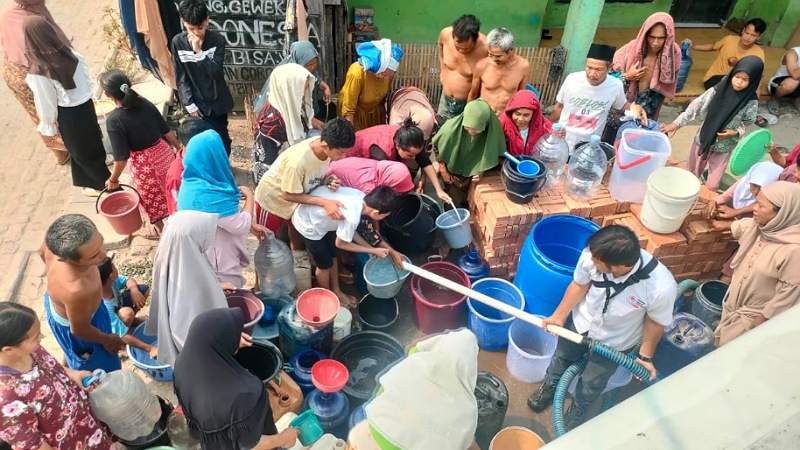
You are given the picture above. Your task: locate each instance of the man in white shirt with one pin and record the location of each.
(620, 294)
(585, 98)
(323, 235)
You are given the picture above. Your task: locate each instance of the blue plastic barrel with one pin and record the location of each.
(683, 342)
(490, 325)
(548, 259)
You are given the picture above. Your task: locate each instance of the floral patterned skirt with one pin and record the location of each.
(14, 75)
(148, 170)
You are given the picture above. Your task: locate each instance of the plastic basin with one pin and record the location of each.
(252, 307)
(142, 360)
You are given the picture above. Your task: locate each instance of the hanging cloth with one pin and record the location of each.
(148, 23)
(170, 19)
(127, 17)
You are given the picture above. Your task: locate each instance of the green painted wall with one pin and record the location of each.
(420, 21)
(615, 15)
(781, 16)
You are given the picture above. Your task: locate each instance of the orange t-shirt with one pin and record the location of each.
(729, 54)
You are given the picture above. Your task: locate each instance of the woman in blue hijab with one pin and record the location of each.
(304, 53)
(208, 186)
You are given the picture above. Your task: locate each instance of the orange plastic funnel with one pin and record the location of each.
(329, 375)
(317, 307)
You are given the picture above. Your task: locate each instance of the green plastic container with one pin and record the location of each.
(309, 427)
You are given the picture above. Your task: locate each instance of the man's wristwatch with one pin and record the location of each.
(645, 358)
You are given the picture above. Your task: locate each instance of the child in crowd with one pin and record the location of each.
(323, 234)
(296, 172)
(208, 186)
(725, 111)
(199, 55)
(123, 297)
(188, 129)
(523, 123)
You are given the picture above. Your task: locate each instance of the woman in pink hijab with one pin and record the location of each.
(15, 66)
(649, 64)
(366, 174)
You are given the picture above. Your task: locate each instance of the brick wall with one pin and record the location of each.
(501, 227)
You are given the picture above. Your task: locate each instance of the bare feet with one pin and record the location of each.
(348, 301)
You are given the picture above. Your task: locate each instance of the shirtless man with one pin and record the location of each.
(501, 74)
(73, 302)
(461, 46)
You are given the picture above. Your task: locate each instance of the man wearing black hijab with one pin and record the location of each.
(585, 98)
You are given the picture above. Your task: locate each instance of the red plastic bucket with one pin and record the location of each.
(121, 209)
(251, 306)
(437, 308)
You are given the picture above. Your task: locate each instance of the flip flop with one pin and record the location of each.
(151, 233)
(773, 106)
(64, 161)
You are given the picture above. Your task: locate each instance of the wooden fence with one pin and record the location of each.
(420, 67)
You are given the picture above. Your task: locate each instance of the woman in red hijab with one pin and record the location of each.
(523, 123)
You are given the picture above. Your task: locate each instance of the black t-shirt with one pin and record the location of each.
(136, 129)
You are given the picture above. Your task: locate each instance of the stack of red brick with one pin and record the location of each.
(501, 227)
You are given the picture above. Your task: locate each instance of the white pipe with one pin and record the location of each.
(496, 304)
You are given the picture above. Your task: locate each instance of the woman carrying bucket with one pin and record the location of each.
(139, 135)
(468, 145)
(725, 111)
(766, 279)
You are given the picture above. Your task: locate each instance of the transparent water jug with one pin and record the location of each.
(553, 151)
(120, 399)
(586, 169)
(275, 267)
(178, 432)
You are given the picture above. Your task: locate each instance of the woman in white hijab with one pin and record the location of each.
(184, 282)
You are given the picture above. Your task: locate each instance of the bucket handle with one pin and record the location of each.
(99, 196)
(435, 258)
(633, 163)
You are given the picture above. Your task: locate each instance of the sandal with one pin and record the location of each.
(64, 161)
(773, 106)
(152, 233)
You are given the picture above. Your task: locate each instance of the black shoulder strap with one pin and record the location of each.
(642, 273)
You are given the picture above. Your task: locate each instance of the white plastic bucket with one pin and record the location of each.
(530, 350)
(639, 153)
(342, 324)
(671, 194)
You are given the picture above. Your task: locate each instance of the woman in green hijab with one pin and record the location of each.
(468, 145)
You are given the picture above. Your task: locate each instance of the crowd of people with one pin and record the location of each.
(328, 173)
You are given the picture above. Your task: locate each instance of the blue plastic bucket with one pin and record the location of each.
(141, 359)
(490, 325)
(548, 260)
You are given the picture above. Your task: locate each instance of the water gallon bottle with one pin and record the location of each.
(552, 150)
(686, 65)
(586, 169)
(473, 265)
(120, 399)
(275, 267)
(178, 432)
